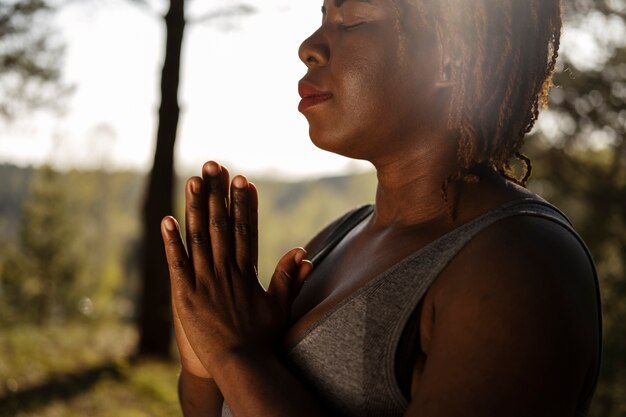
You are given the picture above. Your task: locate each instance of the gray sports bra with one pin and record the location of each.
(348, 356)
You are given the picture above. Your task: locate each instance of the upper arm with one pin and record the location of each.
(515, 326)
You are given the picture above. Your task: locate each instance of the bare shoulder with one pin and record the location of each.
(527, 257)
(515, 328)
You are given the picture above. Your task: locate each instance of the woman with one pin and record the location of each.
(458, 293)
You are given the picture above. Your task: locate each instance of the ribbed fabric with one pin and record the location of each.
(348, 356)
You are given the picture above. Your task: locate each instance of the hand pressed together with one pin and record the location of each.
(219, 306)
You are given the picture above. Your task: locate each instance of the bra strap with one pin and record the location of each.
(343, 227)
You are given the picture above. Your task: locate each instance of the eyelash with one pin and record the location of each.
(350, 27)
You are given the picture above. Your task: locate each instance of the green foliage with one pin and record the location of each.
(73, 252)
(30, 58)
(47, 242)
(43, 272)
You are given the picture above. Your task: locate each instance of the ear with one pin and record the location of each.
(446, 61)
(445, 74)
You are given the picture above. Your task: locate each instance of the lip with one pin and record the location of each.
(311, 95)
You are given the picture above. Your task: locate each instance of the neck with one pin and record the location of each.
(409, 190)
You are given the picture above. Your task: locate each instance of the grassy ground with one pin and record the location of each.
(81, 370)
(146, 389)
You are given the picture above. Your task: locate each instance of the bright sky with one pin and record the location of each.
(238, 94)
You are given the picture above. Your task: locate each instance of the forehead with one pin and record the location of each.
(339, 3)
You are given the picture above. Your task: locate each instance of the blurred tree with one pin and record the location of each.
(30, 58)
(154, 315)
(40, 276)
(14, 190)
(104, 205)
(581, 159)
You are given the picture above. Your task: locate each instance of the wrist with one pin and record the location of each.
(199, 396)
(194, 377)
(241, 359)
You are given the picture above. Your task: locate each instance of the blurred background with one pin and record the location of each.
(107, 106)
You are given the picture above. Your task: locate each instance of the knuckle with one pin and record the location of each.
(219, 224)
(186, 301)
(172, 240)
(194, 204)
(240, 197)
(198, 238)
(284, 276)
(242, 229)
(179, 265)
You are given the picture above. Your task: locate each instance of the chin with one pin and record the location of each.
(336, 144)
(320, 141)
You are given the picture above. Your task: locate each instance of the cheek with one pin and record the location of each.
(365, 85)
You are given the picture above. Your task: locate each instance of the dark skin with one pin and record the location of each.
(508, 328)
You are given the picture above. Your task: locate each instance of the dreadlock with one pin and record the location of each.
(503, 54)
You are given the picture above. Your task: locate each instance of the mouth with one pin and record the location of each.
(311, 96)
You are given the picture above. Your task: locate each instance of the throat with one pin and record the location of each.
(407, 207)
(409, 196)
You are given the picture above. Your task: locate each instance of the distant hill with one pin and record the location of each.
(106, 206)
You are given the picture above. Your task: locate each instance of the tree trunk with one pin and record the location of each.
(155, 323)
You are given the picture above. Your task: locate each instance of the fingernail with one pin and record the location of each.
(170, 224)
(195, 187)
(307, 266)
(211, 168)
(299, 256)
(240, 181)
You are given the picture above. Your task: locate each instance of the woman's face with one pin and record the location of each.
(371, 88)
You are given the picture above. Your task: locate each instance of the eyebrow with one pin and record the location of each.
(339, 3)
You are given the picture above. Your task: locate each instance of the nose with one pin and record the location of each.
(314, 51)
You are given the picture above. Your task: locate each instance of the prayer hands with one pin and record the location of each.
(219, 306)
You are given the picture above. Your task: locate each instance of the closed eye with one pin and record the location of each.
(351, 26)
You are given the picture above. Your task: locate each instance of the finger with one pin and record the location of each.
(240, 218)
(218, 217)
(197, 234)
(306, 267)
(288, 278)
(254, 224)
(225, 186)
(181, 274)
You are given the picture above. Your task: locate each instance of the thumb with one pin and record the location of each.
(289, 276)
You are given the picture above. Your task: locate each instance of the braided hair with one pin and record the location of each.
(502, 57)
